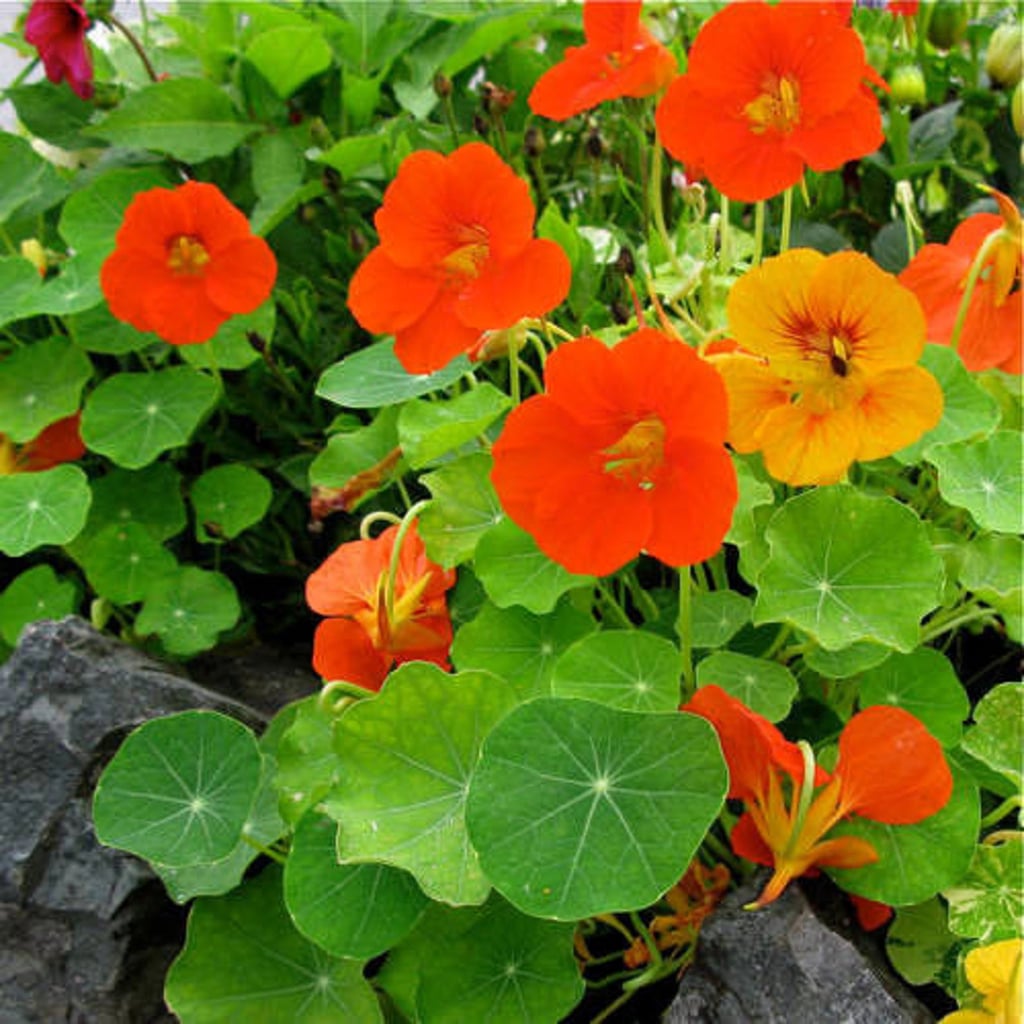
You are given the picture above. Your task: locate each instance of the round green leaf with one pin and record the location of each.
(988, 902)
(150, 497)
(49, 507)
(923, 683)
(506, 968)
(124, 562)
(626, 669)
(464, 508)
(244, 961)
(39, 384)
(37, 593)
(997, 737)
(717, 616)
(97, 330)
(188, 609)
(520, 647)
(288, 56)
(20, 286)
(28, 183)
(354, 910)
(307, 766)
(229, 348)
(915, 861)
(406, 756)
(993, 569)
(133, 417)
(229, 499)
(356, 451)
(847, 661)
(984, 477)
(373, 377)
(579, 809)
(918, 941)
(848, 566)
(190, 119)
(179, 790)
(514, 571)
(968, 410)
(764, 686)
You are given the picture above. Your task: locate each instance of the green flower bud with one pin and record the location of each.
(1004, 60)
(1017, 109)
(948, 23)
(907, 84)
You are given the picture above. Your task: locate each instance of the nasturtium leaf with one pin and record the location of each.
(406, 758)
(354, 910)
(124, 561)
(374, 377)
(923, 683)
(764, 686)
(754, 551)
(968, 410)
(507, 968)
(717, 616)
(517, 645)
(847, 661)
(988, 902)
(49, 507)
(514, 571)
(150, 497)
(627, 669)
(97, 330)
(848, 566)
(914, 861)
(429, 430)
(37, 593)
(190, 119)
(28, 183)
(189, 609)
(288, 56)
(180, 789)
(578, 809)
(39, 384)
(464, 508)
(244, 961)
(262, 827)
(359, 451)
(355, 153)
(997, 737)
(19, 285)
(133, 417)
(229, 348)
(993, 569)
(754, 492)
(92, 216)
(52, 112)
(229, 499)
(307, 765)
(918, 941)
(75, 288)
(984, 477)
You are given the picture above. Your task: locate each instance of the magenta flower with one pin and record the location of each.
(56, 28)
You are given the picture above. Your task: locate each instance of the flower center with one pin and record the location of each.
(186, 255)
(392, 633)
(638, 454)
(777, 108)
(470, 252)
(839, 356)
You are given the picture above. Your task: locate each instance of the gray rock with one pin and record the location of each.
(785, 963)
(83, 926)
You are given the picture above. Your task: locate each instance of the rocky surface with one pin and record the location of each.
(790, 961)
(88, 932)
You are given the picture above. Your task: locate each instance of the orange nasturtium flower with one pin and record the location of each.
(890, 769)
(620, 58)
(371, 630)
(997, 972)
(60, 442)
(624, 453)
(990, 332)
(827, 370)
(768, 91)
(457, 257)
(185, 260)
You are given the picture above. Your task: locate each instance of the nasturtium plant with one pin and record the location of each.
(403, 339)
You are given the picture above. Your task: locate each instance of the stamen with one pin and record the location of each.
(187, 255)
(638, 454)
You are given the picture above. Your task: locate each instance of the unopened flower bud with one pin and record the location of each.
(496, 98)
(534, 142)
(1017, 109)
(594, 144)
(624, 262)
(907, 83)
(1004, 60)
(33, 251)
(948, 24)
(480, 125)
(442, 85)
(620, 312)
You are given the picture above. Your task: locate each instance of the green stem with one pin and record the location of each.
(684, 629)
(776, 645)
(996, 816)
(658, 209)
(449, 116)
(944, 623)
(396, 556)
(759, 208)
(972, 279)
(513, 373)
(787, 219)
(611, 602)
(725, 241)
(133, 41)
(265, 850)
(371, 520)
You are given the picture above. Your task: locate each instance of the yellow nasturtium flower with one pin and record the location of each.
(995, 972)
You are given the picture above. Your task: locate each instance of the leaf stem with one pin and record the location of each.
(684, 630)
(112, 19)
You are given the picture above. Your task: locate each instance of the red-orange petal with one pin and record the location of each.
(346, 582)
(385, 297)
(435, 338)
(575, 84)
(60, 442)
(343, 650)
(611, 25)
(240, 277)
(892, 769)
(748, 843)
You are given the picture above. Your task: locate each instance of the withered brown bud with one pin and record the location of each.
(594, 144)
(442, 85)
(331, 179)
(496, 98)
(624, 262)
(620, 312)
(534, 142)
(257, 341)
(481, 125)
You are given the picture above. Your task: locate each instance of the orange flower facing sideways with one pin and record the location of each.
(827, 370)
(768, 91)
(375, 625)
(624, 453)
(457, 257)
(185, 260)
(60, 442)
(995, 971)
(990, 323)
(619, 58)
(890, 769)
